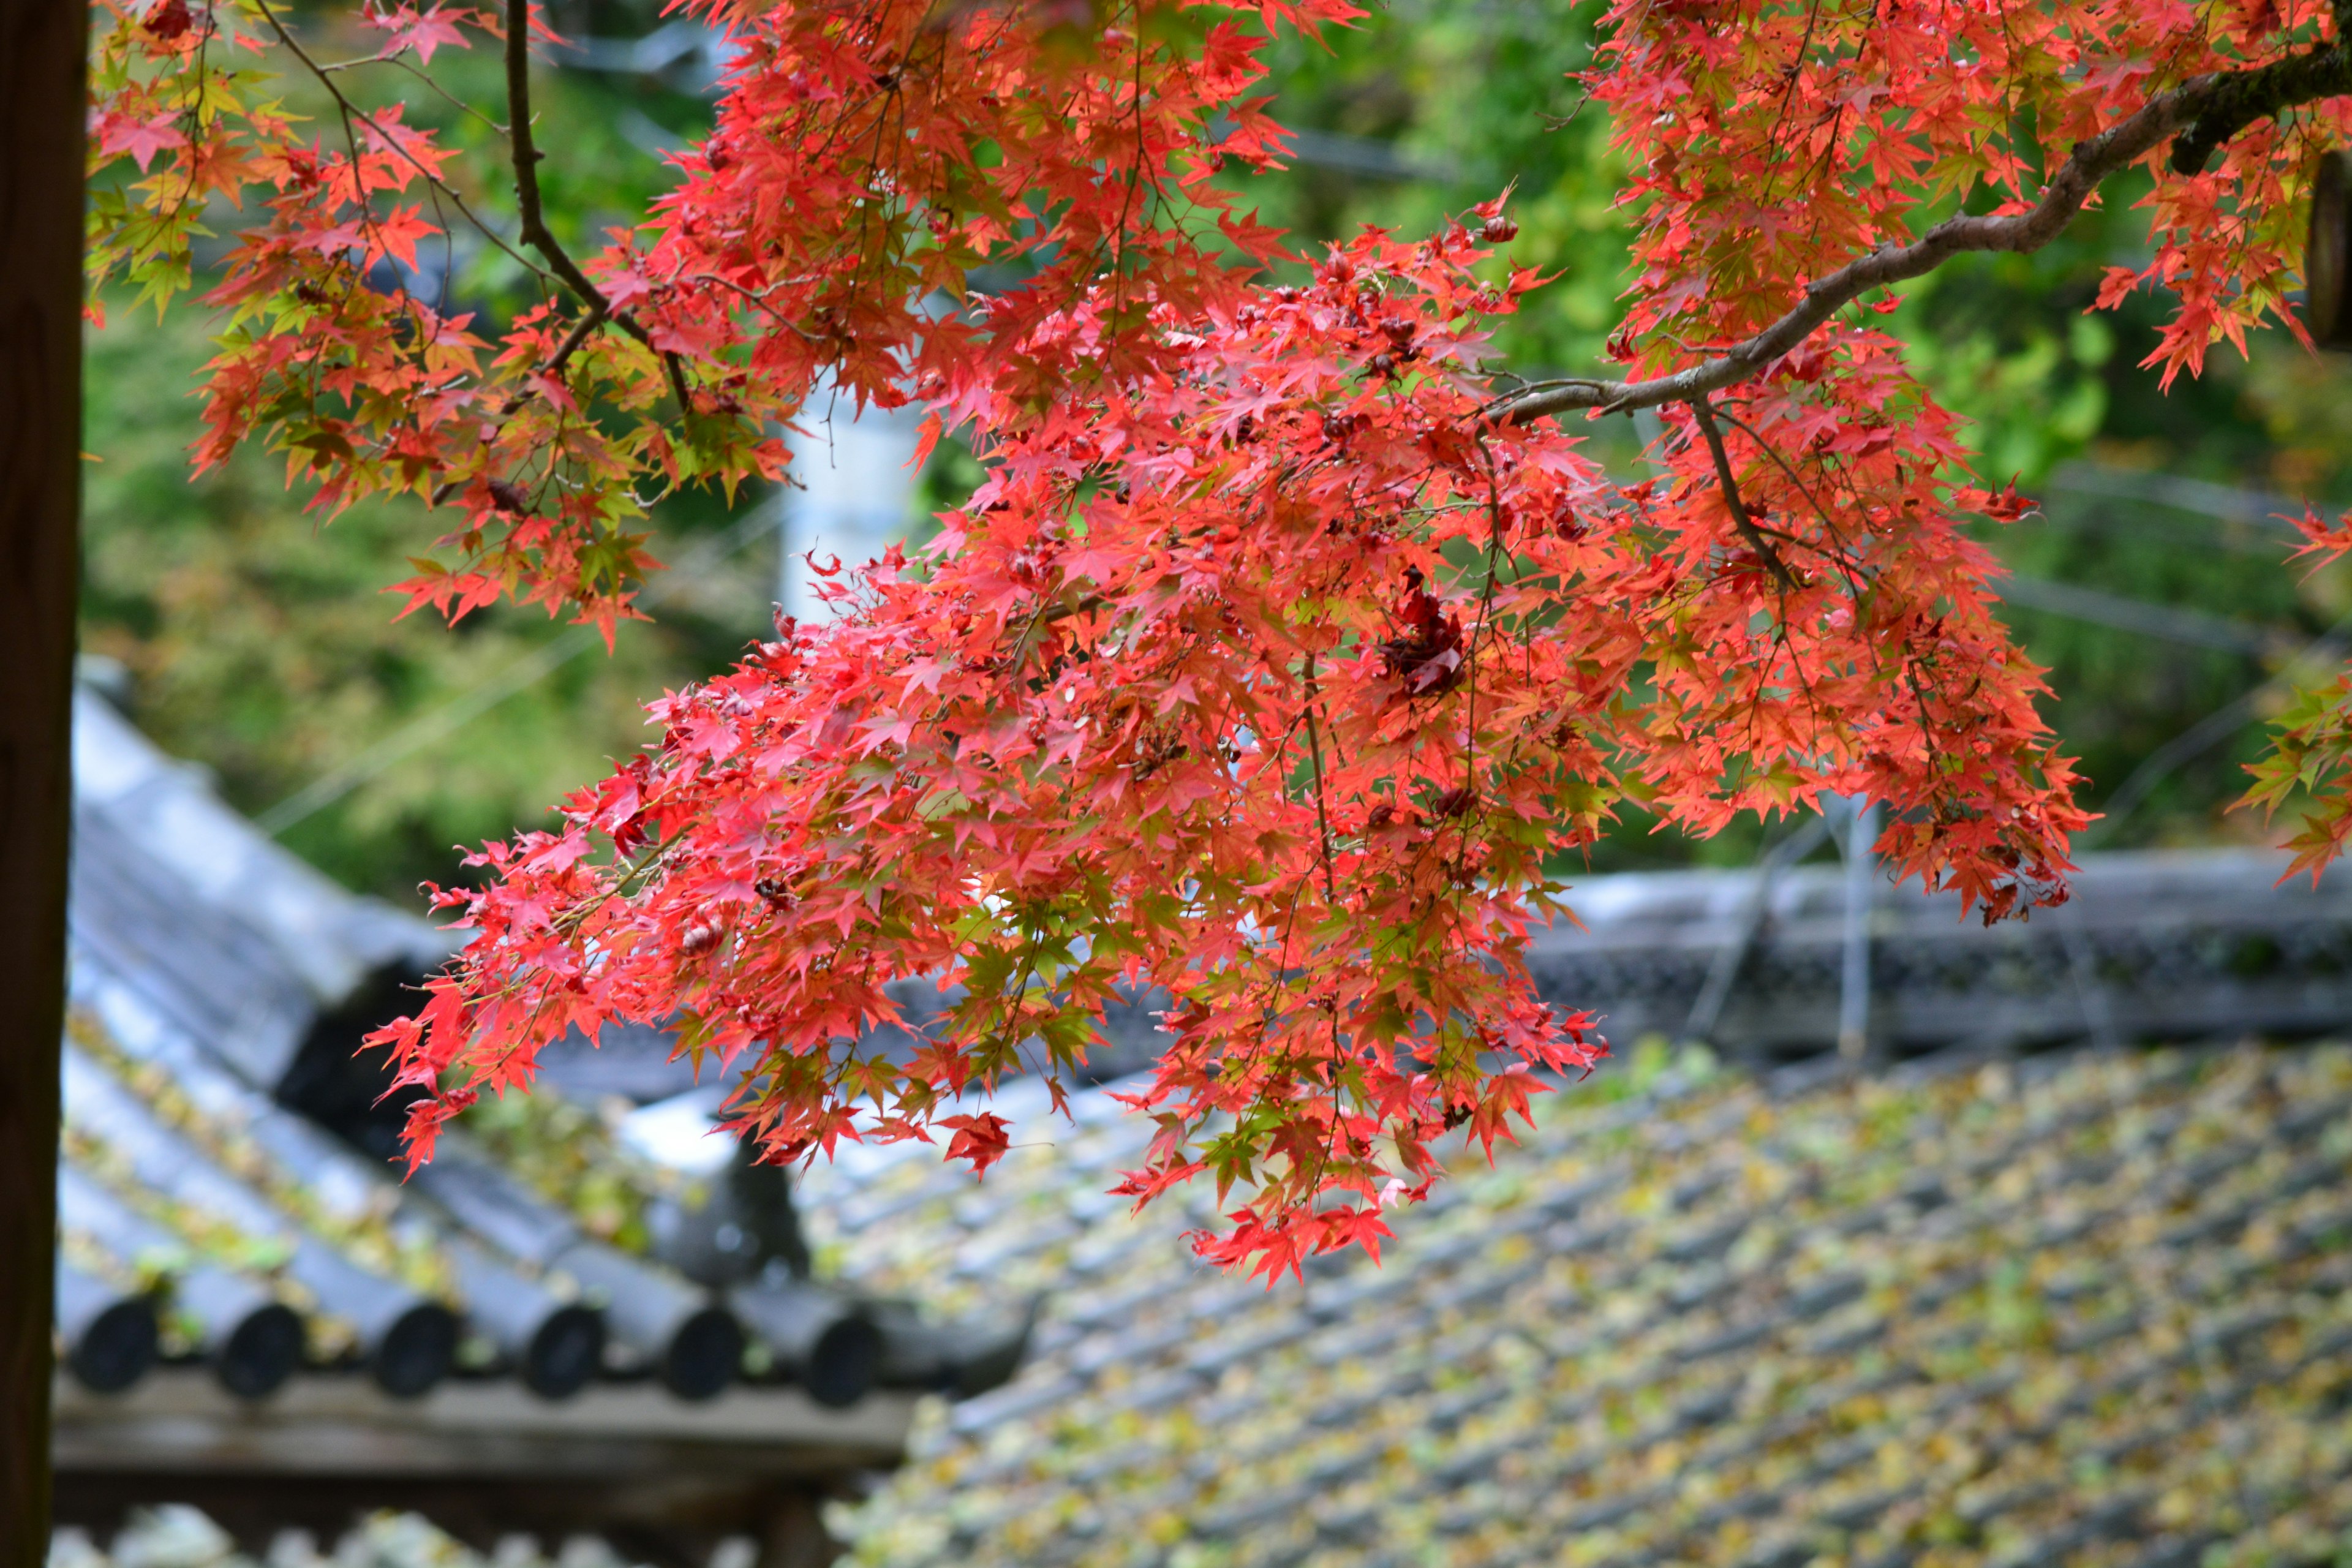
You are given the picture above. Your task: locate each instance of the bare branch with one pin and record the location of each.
(2210, 109)
(535, 232)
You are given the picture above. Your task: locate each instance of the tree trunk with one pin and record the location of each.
(42, 44)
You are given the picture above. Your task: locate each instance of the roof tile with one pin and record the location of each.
(2075, 1309)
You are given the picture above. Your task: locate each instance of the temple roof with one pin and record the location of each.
(2086, 1308)
(258, 1314)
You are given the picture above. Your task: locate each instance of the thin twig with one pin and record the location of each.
(1314, 754)
(588, 322)
(362, 115)
(535, 232)
(1739, 518)
(1852, 573)
(459, 104)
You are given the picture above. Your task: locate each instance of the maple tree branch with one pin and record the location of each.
(391, 143)
(535, 232)
(1842, 555)
(2209, 109)
(2240, 98)
(588, 322)
(1315, 751)
(1740, 517)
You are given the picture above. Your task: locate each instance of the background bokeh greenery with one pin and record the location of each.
(258, 641)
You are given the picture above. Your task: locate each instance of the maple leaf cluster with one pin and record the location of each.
(1285, 647)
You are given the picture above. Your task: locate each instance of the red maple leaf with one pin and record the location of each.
(982, 1138)
(143, 139)
(1283, 644)
(168, 20)
(423, 31)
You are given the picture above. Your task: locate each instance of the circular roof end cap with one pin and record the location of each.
(704, 1355)
(416, 1352)
(262, 1353)
(116, 1347)
(565, 1353)
(844, 1363)
(993, 1352)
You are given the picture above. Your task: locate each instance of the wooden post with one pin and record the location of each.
(2326, 252)
(42, 44)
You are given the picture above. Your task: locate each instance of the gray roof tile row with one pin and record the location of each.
(206, 1210)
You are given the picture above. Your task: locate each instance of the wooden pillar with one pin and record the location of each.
(793, 1535)
(42, 45)
(2327, 254)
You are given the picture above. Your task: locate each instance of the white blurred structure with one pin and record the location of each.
(857, 493)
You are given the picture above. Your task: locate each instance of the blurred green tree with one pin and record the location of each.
(255, 638)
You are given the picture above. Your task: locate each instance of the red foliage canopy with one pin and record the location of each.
(1286, 642)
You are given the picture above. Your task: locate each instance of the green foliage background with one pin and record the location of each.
(259, 639)
(259, 643)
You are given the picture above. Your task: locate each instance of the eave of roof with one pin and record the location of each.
(480, 1428)
(204, 957)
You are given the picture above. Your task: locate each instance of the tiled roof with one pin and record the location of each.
(219, 931)
(178, 1173)
(2085, 1309)
(2156, 944)
(229, 1254)
(256, 1317)
(2160, 945)
(177, 1536)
